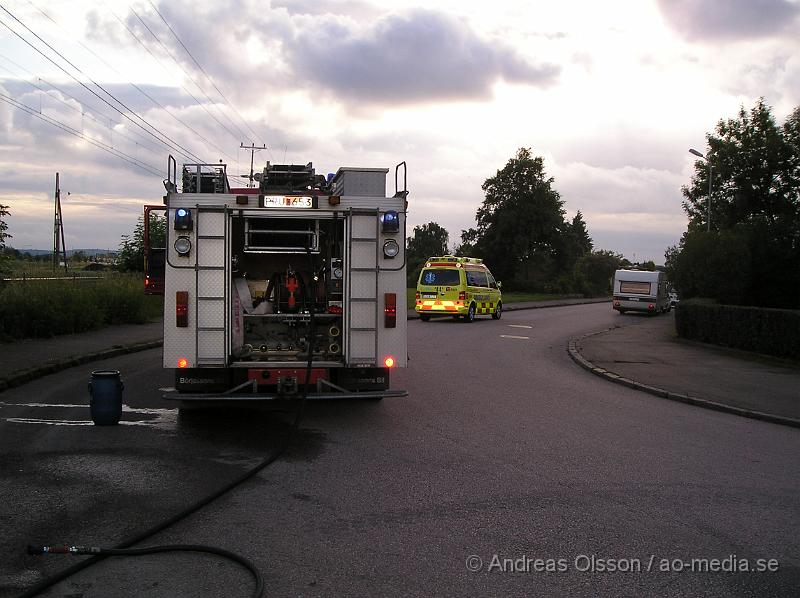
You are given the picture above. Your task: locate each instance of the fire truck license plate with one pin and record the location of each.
(429, 295)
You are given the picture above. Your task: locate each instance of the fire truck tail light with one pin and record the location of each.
(183, 363)
(390, 310)
(389, 362)
(182, 309)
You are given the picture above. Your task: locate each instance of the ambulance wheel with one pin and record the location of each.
(498, 311)
(470, 317)
(424, 317)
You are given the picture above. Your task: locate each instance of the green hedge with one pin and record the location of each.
(769, 331)
(48, 308)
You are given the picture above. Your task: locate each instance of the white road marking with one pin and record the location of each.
(125, 408)
(165, 418)
(524, 338)
(519, 326)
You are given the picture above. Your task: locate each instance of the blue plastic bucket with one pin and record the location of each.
(105, 397)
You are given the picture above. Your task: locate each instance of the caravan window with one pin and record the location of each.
(634, 287)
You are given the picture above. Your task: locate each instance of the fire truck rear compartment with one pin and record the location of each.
(283, 270)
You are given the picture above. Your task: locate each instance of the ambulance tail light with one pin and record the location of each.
(389, 362)
(390, 310)
(182, 309)
(183, 363)
(462, 295)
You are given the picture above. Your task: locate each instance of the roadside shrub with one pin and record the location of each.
(34, 309)
(763, 330)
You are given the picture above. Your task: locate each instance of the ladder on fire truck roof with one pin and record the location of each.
(361, 286)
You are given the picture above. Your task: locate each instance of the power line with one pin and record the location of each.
(158, 136)
(64, 127)
(139, 89)
(175, 35)
(220, 123)
(136, 87)
(162, 139)
(136, 37)
(75, 108)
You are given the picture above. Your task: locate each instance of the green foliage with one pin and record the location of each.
(131, 247)
(593, 274)
(521, 231)
(428, 240)
(49, 308)
(752, 255)
(769, 331)
(755, 172)
(469, 239)
(5, 257)
(713, 264)
(573, 243)
(519, 222)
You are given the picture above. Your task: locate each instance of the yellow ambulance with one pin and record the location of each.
(461, 287)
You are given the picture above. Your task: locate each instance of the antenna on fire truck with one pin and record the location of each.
(253, 149)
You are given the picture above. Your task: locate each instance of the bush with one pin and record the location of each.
(49, 308)
(763, 330)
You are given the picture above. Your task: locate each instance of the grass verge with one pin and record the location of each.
(41, 309)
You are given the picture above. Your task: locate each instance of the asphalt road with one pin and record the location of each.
(504, 447)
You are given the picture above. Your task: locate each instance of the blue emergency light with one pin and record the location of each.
(390, 222)
(183, 219)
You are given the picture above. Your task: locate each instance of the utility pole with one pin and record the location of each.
(253, 149)
(59, 246)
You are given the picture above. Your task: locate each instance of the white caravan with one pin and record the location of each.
(640, 290)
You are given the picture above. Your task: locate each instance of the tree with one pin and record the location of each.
(428, 240)
(755, 178)
(593, 273)
(4, 258)
(520, 222)
(755, 214)
(574, 242)
(467, 247)
(712, 264)
(131, 247)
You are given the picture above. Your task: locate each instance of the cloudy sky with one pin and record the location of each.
(612, 94)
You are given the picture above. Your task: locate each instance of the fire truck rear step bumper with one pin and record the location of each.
(312, 396)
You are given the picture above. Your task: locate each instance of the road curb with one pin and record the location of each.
(573, 348)
(21, 377)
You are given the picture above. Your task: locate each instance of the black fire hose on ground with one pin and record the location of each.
(123, 548)
(106, 552)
